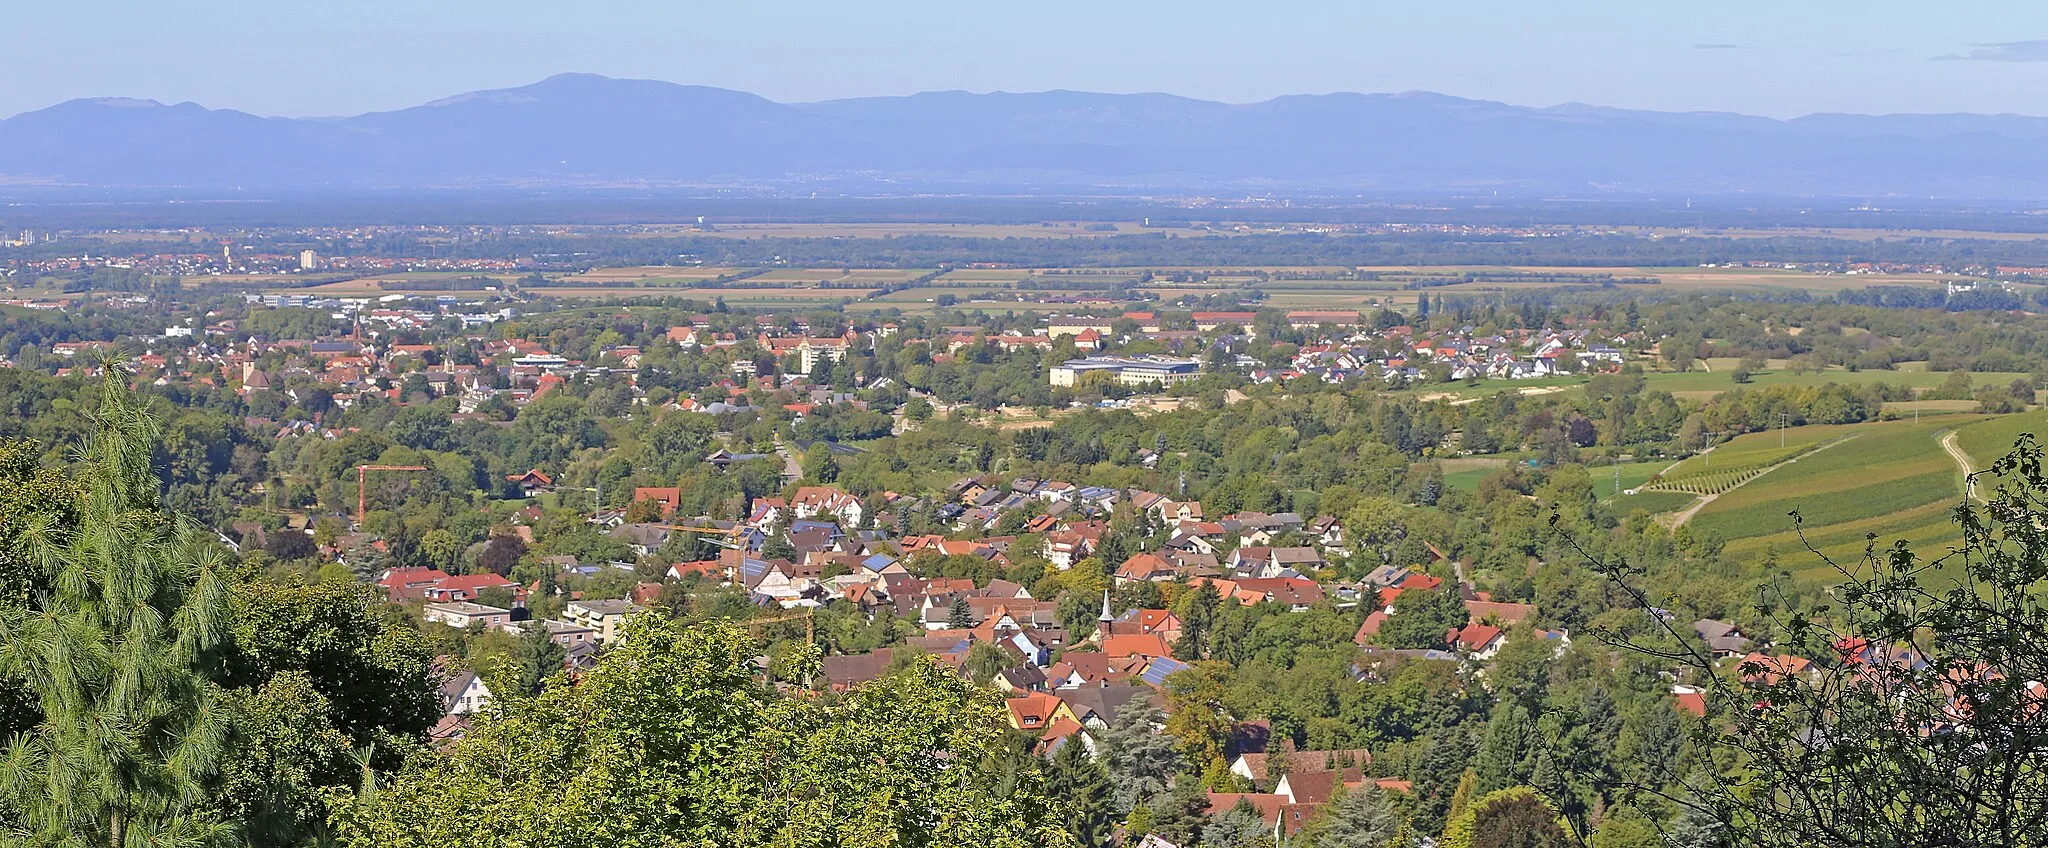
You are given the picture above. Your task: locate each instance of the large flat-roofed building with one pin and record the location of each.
(1128, 370)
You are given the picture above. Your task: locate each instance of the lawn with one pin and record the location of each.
(1468, 479)
(1632, 474)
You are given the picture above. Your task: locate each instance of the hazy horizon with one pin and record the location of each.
(571, 73)
(1775, 60)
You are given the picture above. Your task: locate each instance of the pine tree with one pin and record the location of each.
(1697, 827)
(1355, 818)
(1240, 826)
(1082, 782)
(1508, 754)
(961, 616)
(536, 659)
(117, 653)
(1198, 617)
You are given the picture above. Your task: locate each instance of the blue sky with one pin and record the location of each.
(1780, 58)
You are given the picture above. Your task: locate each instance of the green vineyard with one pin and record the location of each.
(1718, 480)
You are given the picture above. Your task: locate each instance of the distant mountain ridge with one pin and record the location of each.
(587, 130)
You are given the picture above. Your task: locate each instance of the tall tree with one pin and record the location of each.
(116, 652)
(536, 658)
(1081, 781)
(1141, 760)
(30, 495)
(1355, 818)
(1508, 753)
(1241, 826)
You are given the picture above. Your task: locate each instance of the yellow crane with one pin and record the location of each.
(810, 623)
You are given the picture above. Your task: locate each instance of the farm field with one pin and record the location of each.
(1050, 229)
(1753, 449)
(1698, 384)
(650, 274)
(381, 284)
(837, 276)
(1304, 294)
(1986, 441)
(1890, 478)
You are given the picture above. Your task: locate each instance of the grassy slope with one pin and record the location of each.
(1892, 479)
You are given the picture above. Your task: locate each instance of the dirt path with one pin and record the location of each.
(1674, 520)
(1955, 452)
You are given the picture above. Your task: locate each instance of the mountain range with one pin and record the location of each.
(583, 130)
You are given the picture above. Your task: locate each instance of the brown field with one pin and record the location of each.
(984, 275)
(1847, 234)
(649, 272)
(813, 276)
(1062, 229)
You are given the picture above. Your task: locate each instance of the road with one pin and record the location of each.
(791, 468)
(1955, 452)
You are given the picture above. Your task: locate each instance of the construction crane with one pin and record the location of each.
(363, 487)
(726, 543)
(810, 623)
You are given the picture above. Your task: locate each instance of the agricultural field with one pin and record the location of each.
(836, 276)
(1654, 502)
(1889, 478)
(662, 275)
(982, 277)
(1308, 294)
(1702, 384)
(1986, 441)
(1050, 229)
(383, 284)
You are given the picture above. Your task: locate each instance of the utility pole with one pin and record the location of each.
(363, 488)
(1782, 418)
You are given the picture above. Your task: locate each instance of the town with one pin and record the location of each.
(1271, 570)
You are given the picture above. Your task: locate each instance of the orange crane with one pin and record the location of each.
(363, 488)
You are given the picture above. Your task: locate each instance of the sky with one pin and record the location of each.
(1781, 58)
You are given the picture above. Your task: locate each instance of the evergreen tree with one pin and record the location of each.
(1197, 619)
(1240, 826)
(116, 652)
(1141, 760)
(1697, 827)
(960, 616)
(1508, 754)
(1081, 781)
(1355, 818)
(536, 659)
(1178, 816)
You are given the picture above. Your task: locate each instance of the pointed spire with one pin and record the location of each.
(1106, 618)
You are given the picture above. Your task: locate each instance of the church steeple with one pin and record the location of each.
(1102, 621)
